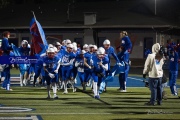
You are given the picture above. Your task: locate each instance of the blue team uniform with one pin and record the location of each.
(74, 69)
(110, 51)
(66, 65)
(80, 68)
(26, 52)
(51, 65)
(173, 72)
(123, 57)
(38, 67)
(126, 43)
(6, 52)
(5, 46)
(87, 71)
(97, 69)
(6, 73)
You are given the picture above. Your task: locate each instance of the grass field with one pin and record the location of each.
(113, 105)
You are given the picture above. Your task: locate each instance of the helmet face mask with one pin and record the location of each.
(91, 49)
(58, 47)
(106, 46)
(24, 45)
(51, 54)
(69, 49)
(86, 49)
(100, 56)
(101, 53)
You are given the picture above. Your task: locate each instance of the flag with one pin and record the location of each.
(22, 67)
(38, 43)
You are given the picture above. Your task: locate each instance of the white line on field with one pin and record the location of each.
(61, 113)
(135, 79)
(16, 118)
(19, 118)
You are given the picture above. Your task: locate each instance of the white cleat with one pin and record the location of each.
(74, 90)
(65, 92)
(123, 91)
(24, 82)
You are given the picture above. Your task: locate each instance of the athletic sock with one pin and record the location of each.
(95, 88)
(48, 90)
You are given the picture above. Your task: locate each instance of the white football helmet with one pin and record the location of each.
(83, 52)
(58, 43)
(74, 44)
(106, 42)
(24, 42)
(55, 49)
(68, 41)
(70, 46)
(95, 47)
(50, 46)
(85, 46)
(75, 48)
(101, 50)
(50, 50)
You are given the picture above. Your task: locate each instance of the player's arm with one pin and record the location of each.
(76, 64)
(85, 63)
(115, 57)
(58, 64)
(44, 66)
(105, 66)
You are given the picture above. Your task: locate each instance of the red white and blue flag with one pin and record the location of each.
(39, 43)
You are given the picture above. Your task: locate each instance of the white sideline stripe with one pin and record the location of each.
(15, 77)
(14, 109)
(63, 113)
(16, 118)
(19, 118)
(135, 79)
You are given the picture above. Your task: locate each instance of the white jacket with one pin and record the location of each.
(150, 66)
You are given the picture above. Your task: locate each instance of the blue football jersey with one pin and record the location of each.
(24, 51)
(173, 64)
(126, 43)
(67, 57)
(88, 57)
(97, 67)
(51, 64)
(110, 52)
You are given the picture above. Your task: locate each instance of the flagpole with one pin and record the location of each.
(34, 15)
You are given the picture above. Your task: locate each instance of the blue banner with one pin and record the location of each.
(18, 59)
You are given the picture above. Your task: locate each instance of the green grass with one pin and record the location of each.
(82, 106)
(15, 71)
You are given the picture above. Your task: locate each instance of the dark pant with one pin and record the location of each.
(156, 89)
(122, 81)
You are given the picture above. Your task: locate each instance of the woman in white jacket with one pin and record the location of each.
(153, 67)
